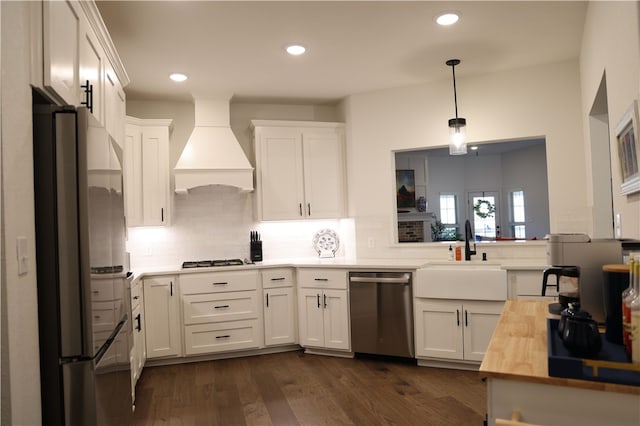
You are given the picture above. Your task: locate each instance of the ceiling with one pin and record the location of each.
(237, 47)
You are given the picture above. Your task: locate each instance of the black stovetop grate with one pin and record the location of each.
(211, 263)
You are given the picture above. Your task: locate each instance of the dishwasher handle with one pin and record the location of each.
(405, 279)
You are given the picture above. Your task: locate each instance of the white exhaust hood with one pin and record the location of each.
(212, 155)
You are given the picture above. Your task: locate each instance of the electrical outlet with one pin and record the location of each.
(618, 226)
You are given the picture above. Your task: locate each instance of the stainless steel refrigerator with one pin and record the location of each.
(82, 272)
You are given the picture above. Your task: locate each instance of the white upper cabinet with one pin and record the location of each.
(61, 26)
(75, 63)
(146, 172)
(300, 170)
(91, 71)
(115, 105)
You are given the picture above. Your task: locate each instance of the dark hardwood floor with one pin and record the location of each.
(294, 388)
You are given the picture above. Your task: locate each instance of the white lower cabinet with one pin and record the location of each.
(527, 284)
(138, 349)
(162, 317)
(324, 318)
(279, 307)
(220, 312)
(456, 329)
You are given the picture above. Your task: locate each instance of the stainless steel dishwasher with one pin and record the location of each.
(381, 313)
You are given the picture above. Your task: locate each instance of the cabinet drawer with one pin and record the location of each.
(322, 278)
(218, 307)
(103, 316)
(218, 282)
(101, 289)
(280, 277)
(220, 337)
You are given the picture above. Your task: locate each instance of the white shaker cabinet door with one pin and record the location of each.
(91, 63)
(324, 173)
(336, 319)
(310, 317)
(279, 316)
(61, 27)
(282, 189)
(162, 317)
(438, 329)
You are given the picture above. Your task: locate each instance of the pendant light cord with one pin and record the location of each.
(455, 95)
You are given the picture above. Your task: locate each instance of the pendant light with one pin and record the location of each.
(458, 125)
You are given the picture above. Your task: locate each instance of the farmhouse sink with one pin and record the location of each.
(462, 280)
(464, 264)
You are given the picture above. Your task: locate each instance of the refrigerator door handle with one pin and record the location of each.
(69, 211)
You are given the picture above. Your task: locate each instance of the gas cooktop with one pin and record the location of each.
(211, 263)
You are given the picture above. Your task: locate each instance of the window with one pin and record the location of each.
(517, 214)
(448, 209)
(448, 218)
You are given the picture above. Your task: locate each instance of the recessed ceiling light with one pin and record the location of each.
(176, 76)
(296, 49)
(447, 18)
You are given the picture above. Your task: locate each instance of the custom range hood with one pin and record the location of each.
(212, 155)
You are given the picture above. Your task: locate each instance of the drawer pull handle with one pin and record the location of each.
(226, 336)
(321, 279)
(136, 297)
(221, 283)
(221, 306)
(278, 279)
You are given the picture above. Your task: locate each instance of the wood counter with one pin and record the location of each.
(518, 350)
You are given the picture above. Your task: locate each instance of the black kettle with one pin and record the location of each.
(579, 332)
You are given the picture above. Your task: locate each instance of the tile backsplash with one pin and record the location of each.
(214, 222)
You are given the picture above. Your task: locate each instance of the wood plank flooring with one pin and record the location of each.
(294, 388)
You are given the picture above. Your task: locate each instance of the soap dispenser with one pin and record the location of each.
(450, 256)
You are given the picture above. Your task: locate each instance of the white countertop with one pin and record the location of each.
(351, 263)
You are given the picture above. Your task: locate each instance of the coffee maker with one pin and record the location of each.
(589, 256)
(566, 284)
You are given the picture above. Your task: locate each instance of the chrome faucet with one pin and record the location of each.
(468, 235)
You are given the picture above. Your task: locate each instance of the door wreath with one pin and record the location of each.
(484, 209)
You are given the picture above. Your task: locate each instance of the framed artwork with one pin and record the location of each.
(405, 189)
(629, 150)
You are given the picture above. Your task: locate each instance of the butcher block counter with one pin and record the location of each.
(516, 369)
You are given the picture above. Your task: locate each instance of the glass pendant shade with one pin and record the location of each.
(458, 125)
(457, 136)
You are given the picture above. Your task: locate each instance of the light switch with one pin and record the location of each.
(22, 252)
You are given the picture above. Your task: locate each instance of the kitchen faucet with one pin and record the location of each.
(468, 236)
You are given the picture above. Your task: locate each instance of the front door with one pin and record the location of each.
(484, 213)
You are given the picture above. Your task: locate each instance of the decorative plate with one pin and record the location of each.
(326, 243)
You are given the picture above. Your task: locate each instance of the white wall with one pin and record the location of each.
(20, 359)
(611, 46)
(542, 101)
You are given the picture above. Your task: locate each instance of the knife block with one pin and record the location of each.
(256, 251)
